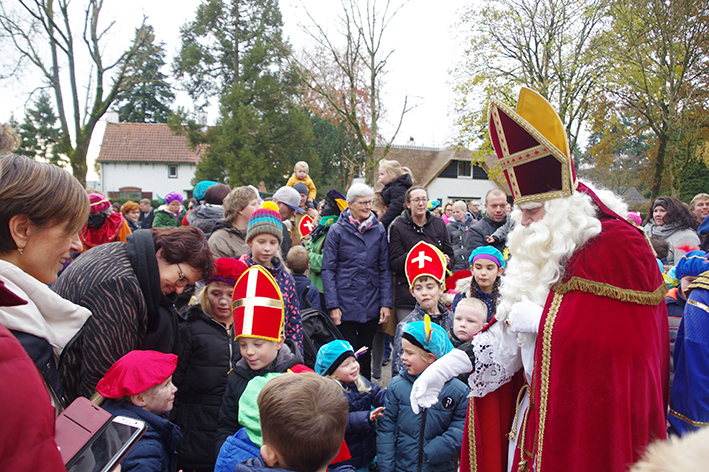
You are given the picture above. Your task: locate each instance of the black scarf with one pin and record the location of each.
(161, 334)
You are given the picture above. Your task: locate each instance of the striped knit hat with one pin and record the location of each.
(265, 220)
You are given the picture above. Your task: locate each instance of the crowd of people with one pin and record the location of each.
(513, 346)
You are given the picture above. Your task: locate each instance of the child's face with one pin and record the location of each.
(264, 248)
(467, 322)
(219, 295)
(258, 353)
(384, 177)
(413, 361)
(159, 399)
(427, 292)
(348, 371)
(685, 282)
(301, 173)
(379, 211)
(485, 272)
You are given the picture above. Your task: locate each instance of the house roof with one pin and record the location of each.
(427, 163)
(145, 142)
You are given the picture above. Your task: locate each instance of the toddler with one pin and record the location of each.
(298, 262)
(469, 318)
(396, 181)
(139, 385)
(300, 174)
(337, 360)
(430, 440)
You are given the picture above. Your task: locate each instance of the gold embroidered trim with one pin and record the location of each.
(698, 424)
(545, 373)
(699, 305)
(609, 291)
(472, 448)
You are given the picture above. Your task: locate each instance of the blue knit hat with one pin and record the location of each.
(331, 355)
(489, 253)
(201, 188)
(692, 264)
(428, 336)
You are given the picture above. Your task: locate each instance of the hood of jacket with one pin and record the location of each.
(206, 211)
(404, 180)
(288, 356)
(46, 314)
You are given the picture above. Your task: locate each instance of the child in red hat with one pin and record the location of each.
(209, 352)
(139, 385)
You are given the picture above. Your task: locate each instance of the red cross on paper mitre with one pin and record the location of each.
(425, 260)
(306, 225)
(257, 305)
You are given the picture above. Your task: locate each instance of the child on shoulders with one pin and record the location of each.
(430, 440)
(300, 174)
(139, 385)
(337, 360)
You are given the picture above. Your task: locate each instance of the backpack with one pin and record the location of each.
(318, 329)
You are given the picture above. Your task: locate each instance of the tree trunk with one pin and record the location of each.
(659, 165)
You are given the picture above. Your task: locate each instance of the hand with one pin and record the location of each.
(489, 239)
(336, 316)
(525, 316)
(376, 413)
(384, 313)
(310, 200)
(426, 388)
(312, 212)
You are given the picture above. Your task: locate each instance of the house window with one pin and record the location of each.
(464, 169)
(479, 173)
(171, 171)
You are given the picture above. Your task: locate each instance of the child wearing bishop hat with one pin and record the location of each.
(425, 270)
(432, 439)
(139, 385)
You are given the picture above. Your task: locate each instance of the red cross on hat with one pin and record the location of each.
(257, 305)
(306, 225)
(425, 260)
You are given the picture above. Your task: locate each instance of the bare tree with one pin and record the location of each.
(343, 73)
(41, 33)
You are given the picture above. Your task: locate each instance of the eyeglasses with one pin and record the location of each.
(365, 203)
(182, 281)
(419, 200)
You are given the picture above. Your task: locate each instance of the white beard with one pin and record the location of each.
(540, 250)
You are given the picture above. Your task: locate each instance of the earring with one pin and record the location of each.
(22, 251)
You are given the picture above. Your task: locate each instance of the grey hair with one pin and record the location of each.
(358, 190)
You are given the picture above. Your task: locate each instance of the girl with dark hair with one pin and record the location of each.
(487, 265)
(671, 221)
(129, 287)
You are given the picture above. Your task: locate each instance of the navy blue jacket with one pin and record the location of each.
(305, 289)
(355, 270)
(429, 441)
(361, 435)
(156, 451)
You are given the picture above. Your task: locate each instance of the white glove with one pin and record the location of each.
(426, 388)
(525, 316)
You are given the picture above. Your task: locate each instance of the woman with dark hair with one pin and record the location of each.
(43, 208)
(130, 289)
(671, 221)
(210, 211)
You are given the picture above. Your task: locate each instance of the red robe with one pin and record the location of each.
(600, 387)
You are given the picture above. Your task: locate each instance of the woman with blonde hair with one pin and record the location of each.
(396, 180)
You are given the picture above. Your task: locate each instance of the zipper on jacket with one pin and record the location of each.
(423, 430)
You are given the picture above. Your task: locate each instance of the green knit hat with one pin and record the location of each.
(265, 220)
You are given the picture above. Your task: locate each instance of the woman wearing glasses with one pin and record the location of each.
(130, 288)
(416, 223)
(355, 272)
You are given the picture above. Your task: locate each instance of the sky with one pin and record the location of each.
(424, 36)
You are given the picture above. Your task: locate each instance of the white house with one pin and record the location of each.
(146, 158)
(448, 174)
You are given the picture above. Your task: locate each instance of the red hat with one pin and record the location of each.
(425, 260)
(306, 225)
(532, 149)
(458, 275)
(98, 202)
(227, 270)
(135, 373)
(257, 305)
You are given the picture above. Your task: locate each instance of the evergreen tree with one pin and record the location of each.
(148, 101)
(234, 49)
(40, 133)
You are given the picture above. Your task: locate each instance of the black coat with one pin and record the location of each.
(209, 353)
(481, 229)
(394, 195)
(459, 236)
(403, 235)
